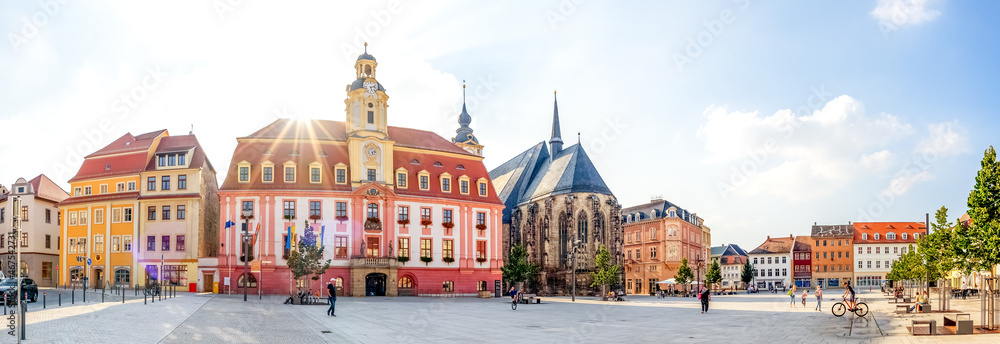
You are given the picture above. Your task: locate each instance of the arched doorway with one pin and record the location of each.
(407, 286)
(98, 280)
(375, 284)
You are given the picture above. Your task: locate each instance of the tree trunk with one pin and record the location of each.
(604, 292)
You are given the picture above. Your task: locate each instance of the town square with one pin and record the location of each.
(563, 171)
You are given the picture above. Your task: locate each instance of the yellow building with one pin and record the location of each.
(139, 199)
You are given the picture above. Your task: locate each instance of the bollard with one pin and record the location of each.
(60, 298)
(84, 295)
(144, 298)
(43, 300)
(102, 295)
(72, 297)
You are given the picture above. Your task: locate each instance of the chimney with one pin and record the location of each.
(768, 237)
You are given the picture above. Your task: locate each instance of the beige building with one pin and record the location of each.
(39, 228)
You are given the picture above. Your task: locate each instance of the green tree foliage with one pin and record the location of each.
(518, 268)
(979, 242)
(909, 267)
(935, 249)
(606, 274)
(714, 273)
(684, 273)
(747, 274)
(307, 258)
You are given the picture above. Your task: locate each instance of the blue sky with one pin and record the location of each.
(761, 117)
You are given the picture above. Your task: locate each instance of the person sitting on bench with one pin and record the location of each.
(921, 300)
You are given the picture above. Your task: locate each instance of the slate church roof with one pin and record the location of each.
(539, 172)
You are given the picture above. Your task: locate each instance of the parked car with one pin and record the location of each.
(8, 286)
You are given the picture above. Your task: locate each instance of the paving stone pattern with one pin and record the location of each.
(209, 318)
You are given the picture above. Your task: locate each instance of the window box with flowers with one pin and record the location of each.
(426, 222)
(341, 218)
(315, 217)
(373, 224)
(481, 260)
(403, 259)
(448, 225)
(403, 222)
(246, 218)
(448, 260)
(289, 217)
(426, 260)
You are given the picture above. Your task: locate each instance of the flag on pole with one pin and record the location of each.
(294, 238)
(322, 229)
(255, 234)
(288, 239)
(230, 224)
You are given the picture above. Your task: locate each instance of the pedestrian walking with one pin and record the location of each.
(819, 298)
(331, 289)
(791, 293)
(805, 294)
(705, 296)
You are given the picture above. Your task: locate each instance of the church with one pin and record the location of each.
(557, 203)
(399, 211)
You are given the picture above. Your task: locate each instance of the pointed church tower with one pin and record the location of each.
(464, 137)
(555, 143)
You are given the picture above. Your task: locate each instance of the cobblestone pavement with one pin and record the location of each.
(208, 318)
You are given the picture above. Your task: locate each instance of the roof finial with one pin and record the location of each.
(578, 137)
(366, 47)
(192, 129)
(463, 91)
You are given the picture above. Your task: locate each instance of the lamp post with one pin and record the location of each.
(247, 214)
(576, 244)
(698, 276)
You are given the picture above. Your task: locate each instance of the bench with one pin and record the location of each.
(530, 298)
(902, 308)
(931, 323)
(924, 308)
(961, 326)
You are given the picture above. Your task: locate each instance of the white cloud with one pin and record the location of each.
(801, 157)
(944, 139)
(905, 180)
(895, 14)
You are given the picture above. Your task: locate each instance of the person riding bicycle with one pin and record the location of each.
(513, 294)
(849, 296)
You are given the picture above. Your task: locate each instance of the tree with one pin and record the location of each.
(747, 274)
(714, 273)
(935, 249)
(518, 269)
(982, 247)
(606, 274)
(307, 258)
(684, 274)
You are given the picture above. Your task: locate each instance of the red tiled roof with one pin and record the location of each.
(157, 197)
(129, 143)
(883, 228)
(774, 245)
(803, 244)
(98, 167)
(45, 188)
(320, 129)
(96, 198)
(329, 154)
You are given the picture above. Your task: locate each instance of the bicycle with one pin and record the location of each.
(514, 301)
(840, 308)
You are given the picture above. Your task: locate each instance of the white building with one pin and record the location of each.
(39, 227)
(878, 245)
(772, 262)
(731, 259)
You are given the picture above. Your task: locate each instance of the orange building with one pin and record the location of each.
(657, 236)
(105, 219)
(831, 259)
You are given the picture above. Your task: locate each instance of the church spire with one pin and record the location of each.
(464, 137)
(555, 143)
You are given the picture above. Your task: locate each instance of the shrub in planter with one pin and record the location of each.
(426, 223)
(448, 225)
(403, 222)
(426, 259)
(289, 217)
(403, 259)
(373, 224)
(341, 218)
(448, 260)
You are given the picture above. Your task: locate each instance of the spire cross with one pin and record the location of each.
(366, 47)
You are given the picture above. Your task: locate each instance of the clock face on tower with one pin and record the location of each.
(370, 86)
(372, 152)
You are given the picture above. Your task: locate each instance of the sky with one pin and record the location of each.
(761, 117)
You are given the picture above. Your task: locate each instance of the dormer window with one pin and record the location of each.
(876, 236)
(414, 162)
(482, 187)
(904, 236)
(171, 160)
(460, 167)
(107, 167)
(341, 173)
(864, 236)
(463, 185)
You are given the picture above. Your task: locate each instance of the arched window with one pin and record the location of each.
(864, 236)
(581, 228)
(340, 282)
(405, 282)
(904, 236)
(252, 281)
(890, 236)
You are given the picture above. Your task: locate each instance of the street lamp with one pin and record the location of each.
(698, 277)
(247, 214)
(576, 244)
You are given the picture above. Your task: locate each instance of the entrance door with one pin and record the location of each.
(209, 283)
(98, 278)
(375, 284)
(373, 249)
